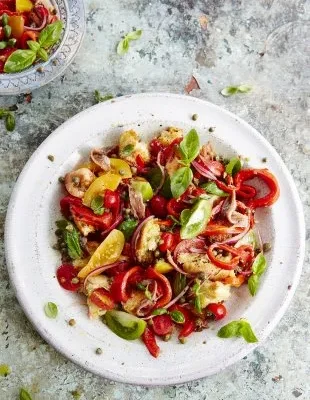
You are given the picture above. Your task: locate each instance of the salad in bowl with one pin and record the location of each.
(155, 235)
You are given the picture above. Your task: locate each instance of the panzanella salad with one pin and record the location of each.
(156, 235)
(29, 29)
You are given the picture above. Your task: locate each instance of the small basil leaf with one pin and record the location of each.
(253, 283)
(166, 189)
(246, 332)
(159, 311)
(3, 45)
(134, 35)
(212, 188)
(51, 310)
(244, 89)
(179, 283)
(194, 223)
(127, 150)
(42, 54)
(72, 239)
(122, 47)
(233, 166)
(259, 265)
(97, 205)
(154, 176)
(24, 395)
(5, 370)
(50, 35)
(10, 122)
(128, 227)
(190, 146)
(237, 329)
(19, 60)
(33, 45)
(185, 215)
(177, 316)
(148, 294)
(231, 90)
(99, 98)
(180, 181)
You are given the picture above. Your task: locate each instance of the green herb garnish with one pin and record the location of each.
(99, 98)
(24, 395)
(97, 205)
(5, 370)
(212, 188)
(127, 150)
(71, 237)
(160, 311)
(241, 328)
(123, 45)
(51, 310)
(233, 166)
(231, 90)
(128, 227)
(193, 221)
(258, 268)
(177, 316)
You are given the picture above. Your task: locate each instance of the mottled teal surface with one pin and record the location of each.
(263, 43)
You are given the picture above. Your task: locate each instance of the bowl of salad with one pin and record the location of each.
(154, 250)
(37, 41)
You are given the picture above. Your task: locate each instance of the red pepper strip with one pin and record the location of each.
(247, 192)
(225, 187)
(218, 229)
(268, 178)
(66, 202)
(87, 216)
(164, 286)
(222, 264)
(119, 288)
(149, 340)
(187, 329)
(140, 164)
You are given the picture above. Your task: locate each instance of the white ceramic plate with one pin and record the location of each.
(32, 261)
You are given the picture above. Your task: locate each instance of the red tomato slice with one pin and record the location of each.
(65, 273)
(162, 325)
(149, 340)
(102, 299)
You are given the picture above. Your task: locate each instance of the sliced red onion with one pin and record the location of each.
(37, 29)
(235, 239)
(145, 308)
(175, 265)
(162, 170)
(101, 269)
(217, 208)
(204, 171)
(117, 221)
(181, 294)
(136, 234)
(190, 246)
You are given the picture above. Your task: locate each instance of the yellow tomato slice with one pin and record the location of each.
(24, 5)
(105, 181)
(163, 267)
(90, 165)
(16, 23)
(108, 252)
(120, 167)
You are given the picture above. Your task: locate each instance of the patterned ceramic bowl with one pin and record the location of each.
(72, 13)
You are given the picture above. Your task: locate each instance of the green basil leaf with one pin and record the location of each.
(123, 47)
(51, 310)
(177, 316)
(180, 181)
(154, 176)
(190, 146)
(197, 304)
(72, 239)
(127, 150)
(185, 215)
(42, 54)
(19, 60)
(3, 45)
(159, 311)
(10, 122)
(50, 35)
(24, 395)
(231, 90)
(244, 89)
(212, 188)
(246, 332)
(194, 223)
(99, 98)
(141, 286)
(5, 370)
(166, 189)
(134, 35)
(97, 205)
(62, 224)
(33, 45)
(253, 284)
(179, 283)
(259, 265)
(233, 166)
(128, 227)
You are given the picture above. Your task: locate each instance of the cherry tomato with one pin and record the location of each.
(102, 299)
(175, 207)
(16, 22)
(149, 340)
(159, 206)
(162, 325)
(218, 310)
(65, 273)
(27, 35)
(110, 199)
(168, 240)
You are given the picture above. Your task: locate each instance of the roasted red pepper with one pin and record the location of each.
(163, 286)
(120, 286)
(223, 264)
(266, 176)
(149, 340)
(189, 324)
(27, 35)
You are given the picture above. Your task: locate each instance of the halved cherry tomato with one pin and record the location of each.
(223, 264)
(162, 325)
(268, 178)
(170, 240)
(120, 286)
(149, 340)
(140, 163)
(218, 310)
(27, 35)
(175, 207)
(163, 286)
(159, 206)
(65, 273)
(16, 22)
(111, 199)
(102, 299)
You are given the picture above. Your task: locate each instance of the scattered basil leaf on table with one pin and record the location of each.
(51, 310)
(177, 316)
(123, 45)
(50, 35)
(193, 221)
(258, 268)
(233, 166)
(231, 90)
(241, 328)
(160, 311)
(5, 370)
(19, 60)
(24, 395)
(180, 181)
(10, 122)
(128, 227)
(97, 205)
(212, 188)
(99, 98)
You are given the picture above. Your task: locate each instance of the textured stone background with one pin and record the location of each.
(263, 43)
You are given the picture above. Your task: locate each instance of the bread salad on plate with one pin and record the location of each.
(29, 31)
(156, 234)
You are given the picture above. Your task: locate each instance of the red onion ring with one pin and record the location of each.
(235, 239)
(204, 171)
(190, 246)
(136, 234)
(37, 29)
(162, 170)
(181, 294)
(175, 265)
(217, 208)
(101, 269)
